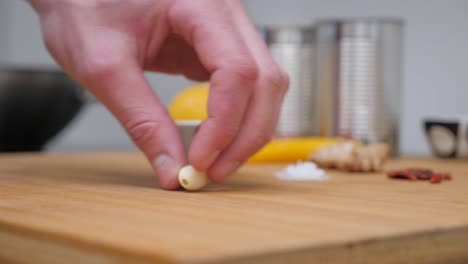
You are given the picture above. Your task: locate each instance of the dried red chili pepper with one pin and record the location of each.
(436, 178)
(415, 174)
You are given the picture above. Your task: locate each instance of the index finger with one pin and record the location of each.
(208, 25)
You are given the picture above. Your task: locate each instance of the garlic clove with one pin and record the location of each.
(191, 179)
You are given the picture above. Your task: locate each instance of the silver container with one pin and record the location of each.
(359, 79)
(187, 130)
(293, 49)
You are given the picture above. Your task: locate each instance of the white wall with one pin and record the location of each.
(435, 62)
(3, 29)
(23, 35)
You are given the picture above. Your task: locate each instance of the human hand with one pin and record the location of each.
(106, 45)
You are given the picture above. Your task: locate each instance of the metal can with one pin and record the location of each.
(293, 49)
(359, 79)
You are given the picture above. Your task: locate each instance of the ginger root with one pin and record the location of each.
(352, 156)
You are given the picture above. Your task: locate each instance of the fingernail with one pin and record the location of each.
(167, 169)
(226, 170)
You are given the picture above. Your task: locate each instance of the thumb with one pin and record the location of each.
(124, 90)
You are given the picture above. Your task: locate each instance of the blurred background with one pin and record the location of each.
(434, 62)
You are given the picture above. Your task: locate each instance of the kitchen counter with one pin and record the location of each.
(107, 208)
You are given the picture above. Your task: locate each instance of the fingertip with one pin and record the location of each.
(216, 179)
(171, 185)
(167, 170)
(219, 172)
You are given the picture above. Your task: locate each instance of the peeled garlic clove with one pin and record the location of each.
(191, 179)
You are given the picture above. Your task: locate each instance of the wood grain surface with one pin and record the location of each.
(107, 208)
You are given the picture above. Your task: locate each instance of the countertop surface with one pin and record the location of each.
(107, 208)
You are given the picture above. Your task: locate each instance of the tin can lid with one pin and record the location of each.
(361, 20)
(291, 35)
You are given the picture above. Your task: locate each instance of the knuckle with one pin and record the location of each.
(97, 68)
(99, 63)
(141, 132)
(183, 13)
(244, 69)
(140, 126)
(277, 79)
(178, 11)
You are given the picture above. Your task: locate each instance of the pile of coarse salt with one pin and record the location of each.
(302, 171)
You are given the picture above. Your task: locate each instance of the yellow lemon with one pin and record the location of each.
(291, 149)
(190, 104)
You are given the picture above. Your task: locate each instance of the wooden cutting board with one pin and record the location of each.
(107, 208)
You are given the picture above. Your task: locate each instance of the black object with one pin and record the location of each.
(34, 106)
(450, 136)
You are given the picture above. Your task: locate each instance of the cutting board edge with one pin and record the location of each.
(418, 247)
(37, 241)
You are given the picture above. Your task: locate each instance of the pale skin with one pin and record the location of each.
(106, 45)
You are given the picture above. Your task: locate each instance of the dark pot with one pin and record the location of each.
(34, 106)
